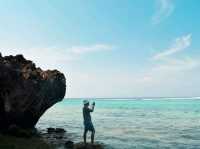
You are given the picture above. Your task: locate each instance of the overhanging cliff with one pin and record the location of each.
(26, 91)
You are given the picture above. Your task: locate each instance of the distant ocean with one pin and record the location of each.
(165, 123)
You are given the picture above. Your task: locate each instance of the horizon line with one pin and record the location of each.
(139, 97)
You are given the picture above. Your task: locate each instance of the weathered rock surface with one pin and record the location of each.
(81, 145)
(69, 144)
(55, 130)
(88, 146)
(26, 91)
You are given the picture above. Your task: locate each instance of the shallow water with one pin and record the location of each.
(129, 123)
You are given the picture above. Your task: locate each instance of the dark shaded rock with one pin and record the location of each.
(12, 142)
(69, 144)
(26, 91)
(19, 132)
(88, 146)
(51, 130)
(60, 130)
(56, 130)
(59, 137)
(57, 140)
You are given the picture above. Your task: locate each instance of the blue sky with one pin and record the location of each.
(109, 48)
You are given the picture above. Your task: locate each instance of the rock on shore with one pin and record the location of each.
(88, 146)
(26, 91)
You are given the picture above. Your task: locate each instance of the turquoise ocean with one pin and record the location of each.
(153, 123)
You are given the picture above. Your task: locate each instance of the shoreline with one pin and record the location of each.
(13, 142)
(53, 138)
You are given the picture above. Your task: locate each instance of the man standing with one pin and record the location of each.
(88, 126)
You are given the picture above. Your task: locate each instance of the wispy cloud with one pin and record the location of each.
(54, 57)
(90, 48)
(180, 44)
(164, 10)
(169, 60)
(171, 70)
(164, 79)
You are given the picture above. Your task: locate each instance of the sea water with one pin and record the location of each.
(163, 123)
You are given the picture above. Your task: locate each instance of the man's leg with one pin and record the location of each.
(85, 135)
(92, 136)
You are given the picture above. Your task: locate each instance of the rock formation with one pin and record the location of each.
(81, 145)
(26, 91)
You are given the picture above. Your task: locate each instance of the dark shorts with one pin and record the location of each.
(88, 126)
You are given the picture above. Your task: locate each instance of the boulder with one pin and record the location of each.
(55, 130)
(69, 145)
(51, 130)
(60, 130)
(81, 145)
(26, 91)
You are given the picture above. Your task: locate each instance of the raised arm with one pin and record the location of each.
(92, 107)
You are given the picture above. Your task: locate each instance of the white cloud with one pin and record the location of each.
(180, 44)
(168, 79)
(172, 74)
(170, 64)
(91, 48)
(55, 57)
(172, 67)
(164, 10)
(46, 58)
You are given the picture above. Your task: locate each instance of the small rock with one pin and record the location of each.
(60, 130)
(69, 144)
(55, 130)
(59, 137)
(51, 130)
